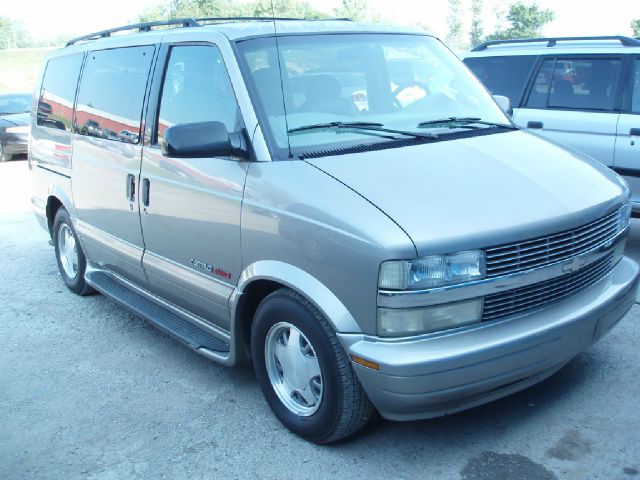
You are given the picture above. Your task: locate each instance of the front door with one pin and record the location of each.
(191, 208)
(106, 157)
(627, 159)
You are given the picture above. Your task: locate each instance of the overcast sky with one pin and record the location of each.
(48, 18)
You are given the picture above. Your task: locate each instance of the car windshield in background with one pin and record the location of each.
(12, 104)
(398, 82)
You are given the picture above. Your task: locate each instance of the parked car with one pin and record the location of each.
(581, 92)
(15, 111)
(417, 257)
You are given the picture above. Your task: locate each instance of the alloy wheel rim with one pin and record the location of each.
(293, 369)
(68, 251)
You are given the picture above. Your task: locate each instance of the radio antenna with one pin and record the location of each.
(284, 104)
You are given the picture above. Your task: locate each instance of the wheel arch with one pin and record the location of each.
(264, 277)
(53, 205)
(57, 198)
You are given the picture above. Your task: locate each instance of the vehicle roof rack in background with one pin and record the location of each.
(552, 41)
(187, 22)
(141, 27)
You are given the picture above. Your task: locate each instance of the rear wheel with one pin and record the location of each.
(304, 373)
(71, 260)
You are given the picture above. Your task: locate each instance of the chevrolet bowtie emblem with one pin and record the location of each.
(573, 265)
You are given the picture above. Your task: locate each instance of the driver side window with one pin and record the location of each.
(197, 88)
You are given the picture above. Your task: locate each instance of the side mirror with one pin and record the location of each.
(504, 103)
(203, 139)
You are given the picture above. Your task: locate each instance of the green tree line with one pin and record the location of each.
(521, 19)
(355, 9)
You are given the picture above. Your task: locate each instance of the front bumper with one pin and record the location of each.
(438, 374)
(15, 144)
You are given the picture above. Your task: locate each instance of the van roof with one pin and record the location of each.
(245, 27)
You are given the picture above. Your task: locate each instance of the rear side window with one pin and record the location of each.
(55, 104)
(197, 89)
(505, 76)
(540, 88)
(111, 94)
(576, 84)
(635, 98)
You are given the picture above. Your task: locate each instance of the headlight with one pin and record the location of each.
(624, 216)
(23, 129)
(432, 271)
(413, 321)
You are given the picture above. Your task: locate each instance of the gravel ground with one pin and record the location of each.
(89, 391)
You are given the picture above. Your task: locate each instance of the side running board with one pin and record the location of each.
(195, 337)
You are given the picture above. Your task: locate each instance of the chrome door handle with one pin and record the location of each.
(131, 188)
(146, 186)
(535, 124)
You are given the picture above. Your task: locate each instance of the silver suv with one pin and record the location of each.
(344, 205)
(582, 92)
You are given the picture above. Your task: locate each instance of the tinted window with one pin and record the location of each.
(578, 84)
(505, 76)
(197, 89)
(540, 88)
(55, 105)
(111, 93)
(585, 84)
(635, 99)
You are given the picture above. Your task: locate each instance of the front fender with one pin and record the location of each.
(302, 282)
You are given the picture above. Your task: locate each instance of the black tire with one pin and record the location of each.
(77, 283)
(344, 406)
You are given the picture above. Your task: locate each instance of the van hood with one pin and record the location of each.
(481, 191)
(17, 119)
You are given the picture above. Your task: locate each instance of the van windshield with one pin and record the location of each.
(347, 89)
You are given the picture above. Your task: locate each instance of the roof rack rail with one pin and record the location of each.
(141, 27)
(552, 41)
(186, 22)
(266, 19)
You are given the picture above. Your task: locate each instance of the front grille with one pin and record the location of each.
(511, 302)
(542, 251)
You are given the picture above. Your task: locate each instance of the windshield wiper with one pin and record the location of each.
(369, 126)
(466, 122)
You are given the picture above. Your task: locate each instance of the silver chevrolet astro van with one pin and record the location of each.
(345, 205)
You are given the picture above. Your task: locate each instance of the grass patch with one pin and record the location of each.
(19, 68)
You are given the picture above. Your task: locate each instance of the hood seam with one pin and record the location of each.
(415, 248)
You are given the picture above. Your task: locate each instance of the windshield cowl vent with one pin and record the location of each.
(409, 142)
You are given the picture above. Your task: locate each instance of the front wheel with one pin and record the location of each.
(303, 372)
(71, 260)
(3, 155)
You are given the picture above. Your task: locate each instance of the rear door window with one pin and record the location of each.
(576, 84)
(58, 92)
(505, 76)
(111, 94)
(540, 88)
